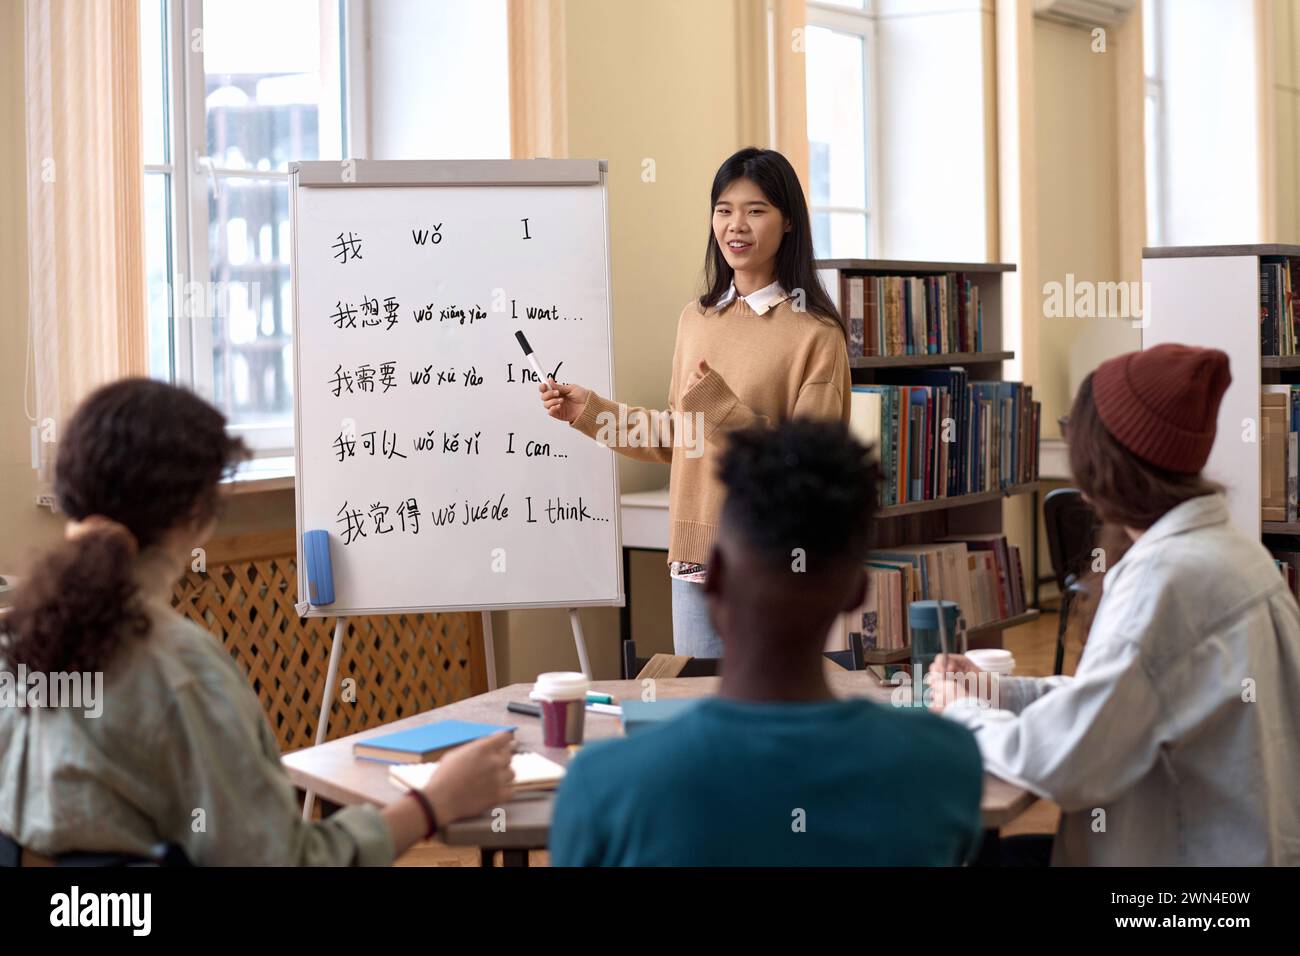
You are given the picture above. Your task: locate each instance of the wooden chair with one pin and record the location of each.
(667, 665)
(853, 659)
(676, 665)
(1072, 528)
(161, 854)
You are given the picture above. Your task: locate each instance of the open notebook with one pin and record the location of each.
(532, 772)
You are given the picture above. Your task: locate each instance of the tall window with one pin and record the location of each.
(1154, 122)
(234, 91)
(839, 47)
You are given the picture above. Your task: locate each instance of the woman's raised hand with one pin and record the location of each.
(697, 373)
(564, 402)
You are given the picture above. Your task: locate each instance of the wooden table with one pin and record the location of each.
(339, 778)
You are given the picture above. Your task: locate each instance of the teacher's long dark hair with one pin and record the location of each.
(773, 174)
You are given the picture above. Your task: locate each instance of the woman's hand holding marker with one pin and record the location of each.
(564, 402)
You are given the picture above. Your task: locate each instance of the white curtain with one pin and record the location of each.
(85, 179)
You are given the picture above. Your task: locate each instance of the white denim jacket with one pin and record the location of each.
(1177, 742)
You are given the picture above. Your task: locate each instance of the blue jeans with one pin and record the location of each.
(693, 633)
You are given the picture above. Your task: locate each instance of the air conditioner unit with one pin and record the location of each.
(1085, 13)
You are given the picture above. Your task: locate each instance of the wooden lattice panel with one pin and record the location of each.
(391, 666)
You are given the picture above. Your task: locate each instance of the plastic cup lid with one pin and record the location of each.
(991, 658)
(561, 685)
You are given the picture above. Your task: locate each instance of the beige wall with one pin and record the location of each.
(1089, 211)
(1285, 133)
(1078, 205)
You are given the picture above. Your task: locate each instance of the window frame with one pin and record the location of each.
(1153, 93)
(192, 177)
(861, 23)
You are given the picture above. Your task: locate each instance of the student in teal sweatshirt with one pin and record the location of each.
(775, 770)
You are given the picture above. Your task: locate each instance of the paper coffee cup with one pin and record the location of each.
(562, 696)
(993, 660)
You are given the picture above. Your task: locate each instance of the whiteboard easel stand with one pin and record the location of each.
(489, 652)
(327, 698)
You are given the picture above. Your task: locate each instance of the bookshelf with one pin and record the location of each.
(956, 501)
(929, 361)
(1209, 296)
(921, 522)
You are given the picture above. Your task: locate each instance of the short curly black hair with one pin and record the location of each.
(805, 483)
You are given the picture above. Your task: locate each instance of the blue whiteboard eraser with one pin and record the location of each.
(320, 574)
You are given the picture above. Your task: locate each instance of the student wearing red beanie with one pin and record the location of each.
(1175, 743)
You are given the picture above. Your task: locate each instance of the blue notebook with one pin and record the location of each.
(421, 744)
(639, 714)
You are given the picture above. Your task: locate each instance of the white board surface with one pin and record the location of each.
(422, 445)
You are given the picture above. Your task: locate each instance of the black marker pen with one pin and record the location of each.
(532, 357)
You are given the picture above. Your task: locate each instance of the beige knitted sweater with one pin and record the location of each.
(763, 368)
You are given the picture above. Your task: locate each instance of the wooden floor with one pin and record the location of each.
(1034, 647)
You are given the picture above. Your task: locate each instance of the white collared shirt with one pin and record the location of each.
(759, 301)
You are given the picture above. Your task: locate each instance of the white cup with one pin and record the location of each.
(562, 696)
(561, 685)
(993, 660)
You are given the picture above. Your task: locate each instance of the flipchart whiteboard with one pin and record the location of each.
(421, 442)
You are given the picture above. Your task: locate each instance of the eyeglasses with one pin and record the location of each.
(1064, 424)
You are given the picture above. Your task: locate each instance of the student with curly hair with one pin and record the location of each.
(180, 753)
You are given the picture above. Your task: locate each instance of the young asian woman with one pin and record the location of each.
(179, 752)
(1174, 743)
(764, 342)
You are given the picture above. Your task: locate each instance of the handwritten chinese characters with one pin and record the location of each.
(421, 401)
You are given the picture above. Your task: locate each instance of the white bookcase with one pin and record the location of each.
(1209, 296)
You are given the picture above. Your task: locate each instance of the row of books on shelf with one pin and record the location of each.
(1279, 461)
(1279, 280)
(912, 315)
(981, 573)
(939, 435)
